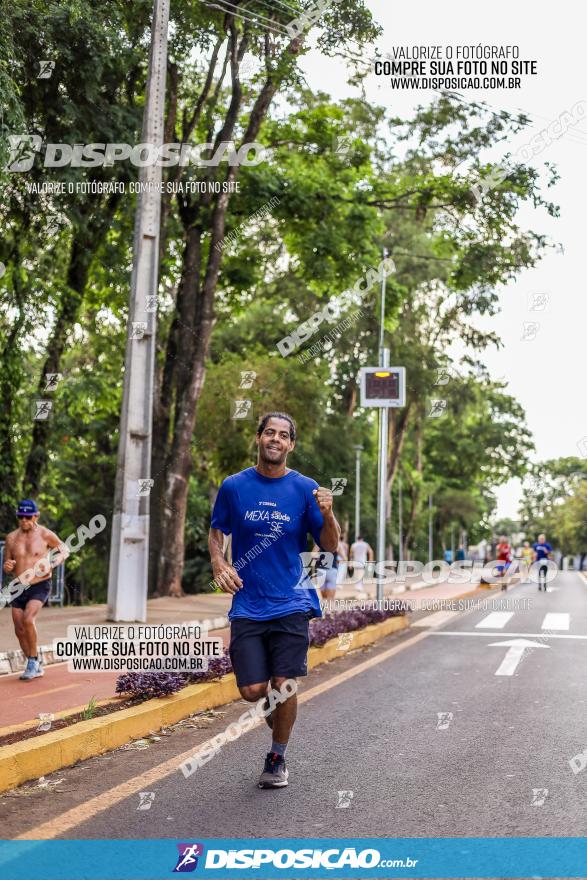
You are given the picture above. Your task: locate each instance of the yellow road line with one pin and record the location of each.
(63, 687)
(84, 811)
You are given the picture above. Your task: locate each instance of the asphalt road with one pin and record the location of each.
(428, 740)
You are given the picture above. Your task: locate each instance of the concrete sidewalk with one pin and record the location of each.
(52, 622)
(60, 690)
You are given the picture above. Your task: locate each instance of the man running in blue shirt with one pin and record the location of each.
(269, 510)
(542, 552)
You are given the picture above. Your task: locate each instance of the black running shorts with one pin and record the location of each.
(40, 591)
(265, 649)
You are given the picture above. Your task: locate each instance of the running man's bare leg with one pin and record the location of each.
(30, 613)
(253, 692)
(20, 630)
(284, 715)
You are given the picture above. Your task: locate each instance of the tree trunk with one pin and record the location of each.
(69, 306)
(193, 327)
(197, 335)
(165, 374)
(399, 427)
(395, 443)
(181, 351)
(349, 398)
(84, 247)
(179, 464)
(10, 378)
(415, 490)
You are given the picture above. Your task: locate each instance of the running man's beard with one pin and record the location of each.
(268, 460)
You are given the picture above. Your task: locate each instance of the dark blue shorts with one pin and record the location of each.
(40, 591)
(264, 649)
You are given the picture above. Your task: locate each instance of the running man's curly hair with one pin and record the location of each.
(277, 415)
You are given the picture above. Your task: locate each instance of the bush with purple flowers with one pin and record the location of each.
(150, 684)
(217, 667)
(331, 625)
(162, 684)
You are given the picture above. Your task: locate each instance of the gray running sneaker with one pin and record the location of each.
(274, 773)
(32, 670)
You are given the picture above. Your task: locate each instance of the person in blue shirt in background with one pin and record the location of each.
(269, 511)
(542, 551)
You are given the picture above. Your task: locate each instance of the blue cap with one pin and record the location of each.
(27, 508)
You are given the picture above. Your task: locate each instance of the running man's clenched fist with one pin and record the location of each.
(323, 500)
(226, 577)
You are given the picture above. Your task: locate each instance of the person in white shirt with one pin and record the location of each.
(361, 552)
(343, 560)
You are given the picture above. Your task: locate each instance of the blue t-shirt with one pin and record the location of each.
(269, 519)
(542, 550)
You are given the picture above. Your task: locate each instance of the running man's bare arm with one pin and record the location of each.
(224, 574)
(9, 561)
(59, 550)
(330, 534)
(370, 554)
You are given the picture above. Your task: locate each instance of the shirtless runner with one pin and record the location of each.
(30, 553)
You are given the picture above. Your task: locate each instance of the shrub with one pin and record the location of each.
(331, 625)
(162, 684)
(150, 684)
(217, 667)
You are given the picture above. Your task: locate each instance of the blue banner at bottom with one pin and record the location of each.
(227, 858)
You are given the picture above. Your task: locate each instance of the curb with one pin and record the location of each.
(14, 661)
(55, 750)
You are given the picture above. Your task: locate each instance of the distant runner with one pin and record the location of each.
(342, 553)
(527, 555)
(361, 552)
(327, 563)
(542, 552)
(504, 557)
(269, 510)
(27, 556)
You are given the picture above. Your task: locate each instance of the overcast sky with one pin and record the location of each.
(546, 374)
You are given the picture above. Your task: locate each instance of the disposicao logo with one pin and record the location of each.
(187, 860)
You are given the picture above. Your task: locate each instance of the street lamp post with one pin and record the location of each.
(382, 387)
(358, 449)
(383, 440)
(430, 528)
(129, 548)
(400, 555)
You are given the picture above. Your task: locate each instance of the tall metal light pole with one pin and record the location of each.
(400, 555)
(430, 528)
(358, 449)
(129, 549)
(383, 437)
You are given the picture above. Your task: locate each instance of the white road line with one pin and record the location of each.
(556, 621)
(435, 619)
(517, 649)
(495, 620)
(540, 635)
